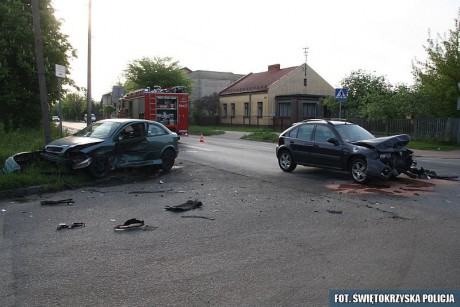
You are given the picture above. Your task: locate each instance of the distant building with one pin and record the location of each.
(112, 98)
(206, 83)
(278, 96)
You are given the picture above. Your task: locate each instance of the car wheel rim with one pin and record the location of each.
(359, 171)
(285, 161)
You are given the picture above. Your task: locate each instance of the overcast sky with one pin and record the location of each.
(244, 36)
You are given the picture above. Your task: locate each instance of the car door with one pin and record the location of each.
(158, 138)
(300, 142)
(324, 153)
(132, 144)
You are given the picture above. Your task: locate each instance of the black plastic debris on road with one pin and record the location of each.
(71, 226)
(188, 205)
(68, 201)
(422, 173)
(130, 224)
(335, 211)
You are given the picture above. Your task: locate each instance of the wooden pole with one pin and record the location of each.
(41, 70)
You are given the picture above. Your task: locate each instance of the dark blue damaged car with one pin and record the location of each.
(115, 143)
(345, 146)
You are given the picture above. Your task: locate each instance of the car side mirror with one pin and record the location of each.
(333, 141)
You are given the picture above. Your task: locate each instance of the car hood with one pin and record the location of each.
(388, 143)
(75, 141)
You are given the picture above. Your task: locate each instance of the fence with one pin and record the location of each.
(427, 129)
(431, 129)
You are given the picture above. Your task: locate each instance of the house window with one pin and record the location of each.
(225, 110)
(260, 109)
(233, 110)
(285, 109)
(309, 110)
(246, 109)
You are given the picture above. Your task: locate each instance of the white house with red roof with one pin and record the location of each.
(278, 96)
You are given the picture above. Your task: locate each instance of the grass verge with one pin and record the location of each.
(36, 172)
(426, 145)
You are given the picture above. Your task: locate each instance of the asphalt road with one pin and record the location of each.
(262, 237)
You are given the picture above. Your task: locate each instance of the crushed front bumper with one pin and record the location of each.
(391, 164)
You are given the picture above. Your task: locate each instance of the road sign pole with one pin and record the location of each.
(60, 106)
(341, 95)
(60, 73)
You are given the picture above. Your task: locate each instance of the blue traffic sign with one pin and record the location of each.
(341, 93)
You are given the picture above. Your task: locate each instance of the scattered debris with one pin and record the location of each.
(189, 205)
(426, 174)
(130, 224)
(335, 211)
(197, 217)
(71, 226)
(68, 202)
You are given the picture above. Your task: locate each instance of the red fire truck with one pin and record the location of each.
(167, 106)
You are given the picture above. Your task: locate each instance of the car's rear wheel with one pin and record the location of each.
(99, 167)
(286, 161)
(167, 159)
(359, 170)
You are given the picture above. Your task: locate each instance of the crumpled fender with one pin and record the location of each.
(14, 163)
(386, 144)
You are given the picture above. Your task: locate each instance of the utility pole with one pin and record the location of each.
(41, 70)
(89, 101)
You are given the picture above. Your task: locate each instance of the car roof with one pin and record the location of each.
(334, 121)
(125, 120)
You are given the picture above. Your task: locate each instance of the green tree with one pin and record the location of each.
(205, 109)
(438, 76)
(73, 106)
(19, 92)
(408, 102)
(108, 110)
(146, 72)
(369, 96)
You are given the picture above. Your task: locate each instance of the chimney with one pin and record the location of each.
(274, 67)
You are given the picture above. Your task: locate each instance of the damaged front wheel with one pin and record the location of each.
(99, 167)
(359, 171)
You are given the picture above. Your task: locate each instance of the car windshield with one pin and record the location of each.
(100, 130)
(353, 133)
